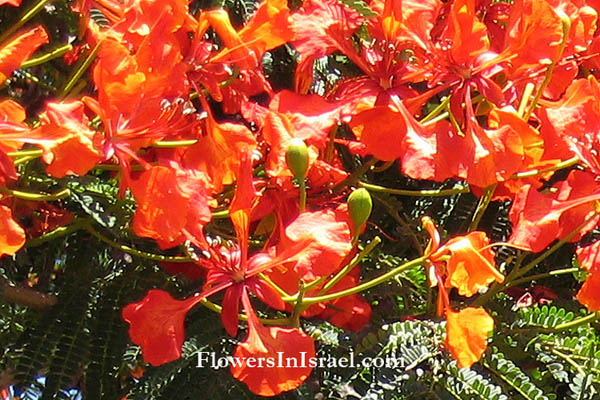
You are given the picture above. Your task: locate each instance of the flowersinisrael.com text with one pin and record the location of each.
(211, 360)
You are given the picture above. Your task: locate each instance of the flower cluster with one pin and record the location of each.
(496, 95)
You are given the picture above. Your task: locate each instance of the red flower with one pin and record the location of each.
(469, 262)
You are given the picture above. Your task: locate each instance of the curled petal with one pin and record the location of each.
(471, 268)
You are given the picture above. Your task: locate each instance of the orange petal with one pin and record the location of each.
(12, 236)
(467, 332)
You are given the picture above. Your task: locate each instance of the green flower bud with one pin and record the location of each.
(296, 158)
(360, 206)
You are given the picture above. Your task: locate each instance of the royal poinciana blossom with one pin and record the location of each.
(184, 108)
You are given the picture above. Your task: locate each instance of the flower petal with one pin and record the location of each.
(262, 351)
(466, 334)
(156, 324)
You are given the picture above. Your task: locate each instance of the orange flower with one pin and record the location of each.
(466, 334)
(470, 265)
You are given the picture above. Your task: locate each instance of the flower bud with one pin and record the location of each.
(296, 158)
(359, 207)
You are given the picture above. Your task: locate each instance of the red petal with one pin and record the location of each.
(70, 147)
(330, 238)
(267, 346)
(156, 324)
(470, 268)
(19, 49)
(168, 200)
(538, 219)
(589, 294)
(14, 3)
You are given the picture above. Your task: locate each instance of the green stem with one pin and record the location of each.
(299, 307)
(576, 322)
(265, 321)
(566, 25)
(24, 160)
(569, 360)
(37, 7)
(436, 111)
(135, 252)
(564, 164)
(542, 276)
(360, 171)
(484, 202)
(302, 184)
(529, 87)
(344, 271)
(25, 153)
(78, 72)
(439, 118)
(220, 214)
(169, 144)
(36, 196)
(366, 285)
(57, 52)
(56, 233)
(416, 193)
